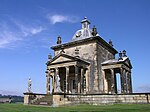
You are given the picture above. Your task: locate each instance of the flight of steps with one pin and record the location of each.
(47, 100)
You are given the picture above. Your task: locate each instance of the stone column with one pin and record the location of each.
(53, 82)
(48, 82)
(87, 79)
(76, 78)
(67, 75)
(129, 83)
(112, 81)
(82, 81)
(105, 82)
(55, 75)
(122, 80)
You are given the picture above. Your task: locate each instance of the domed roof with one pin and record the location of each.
(85, 32)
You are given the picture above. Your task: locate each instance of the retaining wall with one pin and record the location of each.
(110, 98)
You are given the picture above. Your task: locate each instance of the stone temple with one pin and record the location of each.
(87, 64)
(85, 70)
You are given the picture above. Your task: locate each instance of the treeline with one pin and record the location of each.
(14, 98)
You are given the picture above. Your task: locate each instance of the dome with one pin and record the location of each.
(85, 32)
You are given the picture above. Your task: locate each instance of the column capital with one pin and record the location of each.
(66, 66)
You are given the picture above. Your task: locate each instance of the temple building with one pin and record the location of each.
(87, 65)
(86, 71)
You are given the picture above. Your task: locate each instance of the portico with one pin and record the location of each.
(73, 73)
(110, 68)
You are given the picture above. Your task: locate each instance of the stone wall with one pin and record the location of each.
(101, 54)
(94, 99)
(109, 99)
(4, 100)
(96, 53)
(87, 51)
(30, 98)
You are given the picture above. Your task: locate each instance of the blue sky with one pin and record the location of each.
(29, 27)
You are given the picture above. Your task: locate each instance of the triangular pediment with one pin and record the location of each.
(61, 59)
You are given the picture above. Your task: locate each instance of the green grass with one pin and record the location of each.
(79, 108)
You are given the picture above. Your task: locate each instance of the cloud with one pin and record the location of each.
(37, 30)
(28, 30)
(62, 18)
(7, 37)
(13, 31)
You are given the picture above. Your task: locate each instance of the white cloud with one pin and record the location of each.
(10, 34)
(28, 30)
(62, 18)
(37, 30)
(7, 36)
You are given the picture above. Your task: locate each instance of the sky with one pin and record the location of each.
(28, 28)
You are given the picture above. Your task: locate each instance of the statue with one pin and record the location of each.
(57, 89)
(29, 85)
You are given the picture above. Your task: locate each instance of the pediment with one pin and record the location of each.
(61, 59)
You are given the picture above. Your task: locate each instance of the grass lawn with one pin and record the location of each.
(79, 108)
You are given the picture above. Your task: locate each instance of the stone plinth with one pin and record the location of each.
(30, 98)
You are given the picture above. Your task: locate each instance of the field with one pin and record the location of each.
(79, 108)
